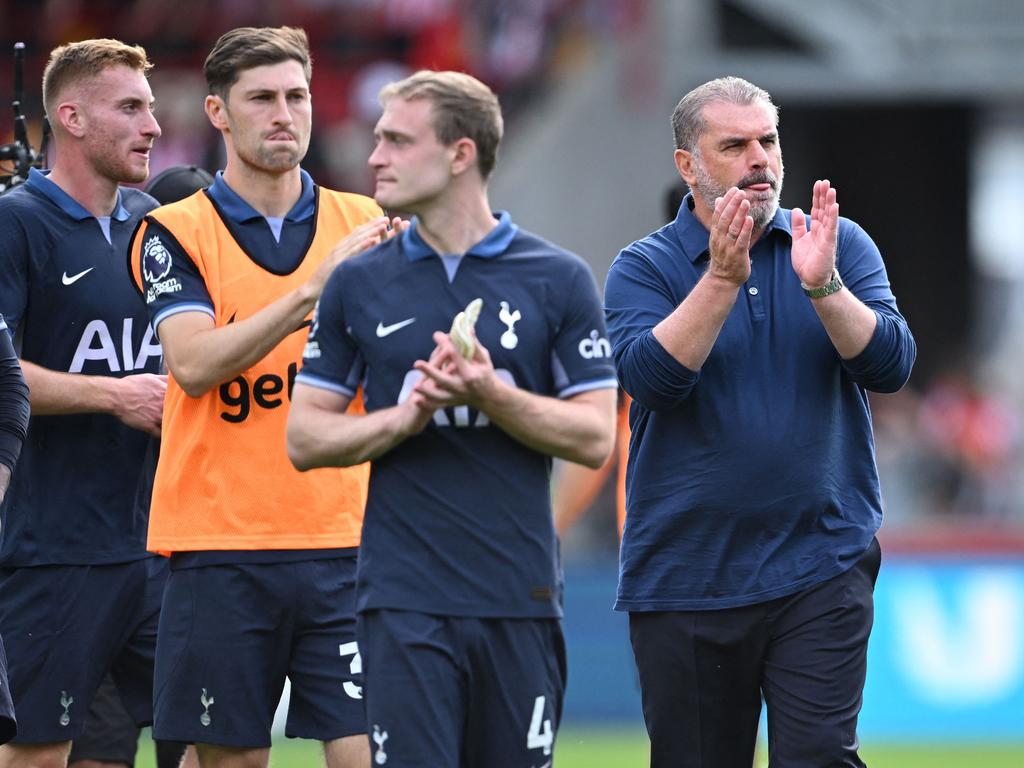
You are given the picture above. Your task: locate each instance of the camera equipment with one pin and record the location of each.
(19, 153)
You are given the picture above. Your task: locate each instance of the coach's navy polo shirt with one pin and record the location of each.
(753, 477)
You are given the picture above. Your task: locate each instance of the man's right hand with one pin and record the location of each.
(363, 237)
(140, 401)
(729, 244)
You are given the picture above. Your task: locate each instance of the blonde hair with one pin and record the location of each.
(84, 60)
(463, 108)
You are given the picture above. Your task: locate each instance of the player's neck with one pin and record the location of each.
(97, 194)
(456, 223)
(271, 194)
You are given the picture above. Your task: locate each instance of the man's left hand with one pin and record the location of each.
(450, 379)
(814, 249)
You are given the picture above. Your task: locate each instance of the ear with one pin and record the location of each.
(71, 119)
(216, 111)
(685, 164)
(463, 155)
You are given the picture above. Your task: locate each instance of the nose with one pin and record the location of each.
(152, 127)
(376, 158)
(282, 115)
(757, 157)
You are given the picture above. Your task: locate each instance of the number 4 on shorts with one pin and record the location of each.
(537, 737)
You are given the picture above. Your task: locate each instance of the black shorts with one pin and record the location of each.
(703, 674)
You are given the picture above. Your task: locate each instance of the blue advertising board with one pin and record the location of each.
(946, 659)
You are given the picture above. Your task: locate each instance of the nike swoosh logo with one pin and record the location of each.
(387, 330)
(69, 280)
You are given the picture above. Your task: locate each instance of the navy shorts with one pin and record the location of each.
(229, 635)
(8, 725)
(453, 692)
(110, 735)
(65, 627)
(703, 674)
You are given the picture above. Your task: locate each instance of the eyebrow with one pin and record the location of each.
(134, 100)
(258, 90)
(729, 141)
(390, 133)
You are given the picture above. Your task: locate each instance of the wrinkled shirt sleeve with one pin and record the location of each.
(637, 298)
(885, 363)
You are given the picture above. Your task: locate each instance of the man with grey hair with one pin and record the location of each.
(748, 337)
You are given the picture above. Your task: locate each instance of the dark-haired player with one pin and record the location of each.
(262, 557)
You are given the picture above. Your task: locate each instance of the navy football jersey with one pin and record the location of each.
(71, 306)
(458, 518)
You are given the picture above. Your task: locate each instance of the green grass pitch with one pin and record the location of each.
(627, 748)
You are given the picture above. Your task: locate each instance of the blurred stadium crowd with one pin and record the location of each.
(517, 47)
(950, 448)
(951, 451)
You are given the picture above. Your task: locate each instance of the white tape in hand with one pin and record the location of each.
(462, 327)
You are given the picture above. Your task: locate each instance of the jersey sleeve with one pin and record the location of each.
(14, 403)
(14, 267)
(331, 359)
(165, 274)
(581, 356)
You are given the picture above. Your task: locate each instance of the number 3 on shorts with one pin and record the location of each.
(537, 737)
(355, 667)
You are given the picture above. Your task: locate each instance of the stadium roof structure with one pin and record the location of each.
(854, 49)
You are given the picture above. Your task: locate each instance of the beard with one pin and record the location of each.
(762, 209)
(117, 168)
(257, 154)
(273, 160)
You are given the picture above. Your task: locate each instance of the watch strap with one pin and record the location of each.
(834, 284)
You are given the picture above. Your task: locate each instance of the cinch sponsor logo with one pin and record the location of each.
(267, 391)
(595, 347)
(97, 344)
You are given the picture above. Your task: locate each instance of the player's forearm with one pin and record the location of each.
(690, 331)
(849, 323)
(324, 438)
(205, 357)
(5, 480)
(580, 429)
(55, 392)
